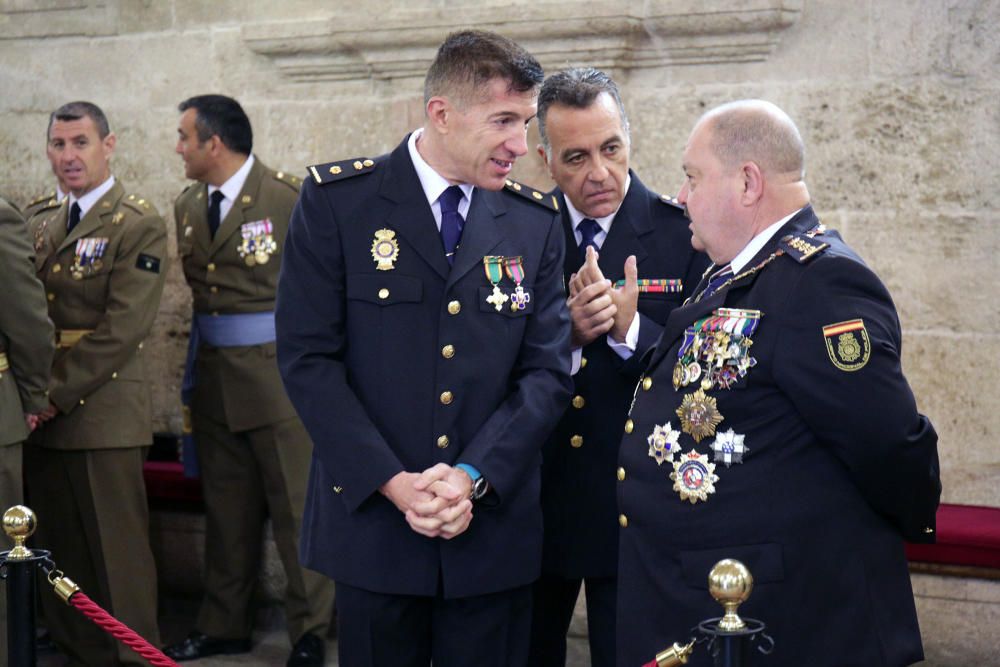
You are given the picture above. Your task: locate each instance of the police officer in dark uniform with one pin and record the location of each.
(644, 242)
(423, 338)
(777, 427)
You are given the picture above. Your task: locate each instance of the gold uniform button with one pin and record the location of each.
(448, 351)
(211, 266)
(82, 401)
(454, 307)
(213, 289)
(140, 344)
(447, 397)
(629, 425)
(576, 441)
(56, 268)
(443, 442)
(621, 474)
(623, 521)
(578, 402)
(51, 296)
(383, 293)
(583, 362)
(647, 382)
(114, 376)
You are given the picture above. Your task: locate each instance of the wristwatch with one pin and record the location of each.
(480, 488)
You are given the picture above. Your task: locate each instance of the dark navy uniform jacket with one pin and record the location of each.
(367, 354)
(578, 473)
(840, 469)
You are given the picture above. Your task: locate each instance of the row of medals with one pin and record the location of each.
(87, 257)
(257, 244)
(715, 354)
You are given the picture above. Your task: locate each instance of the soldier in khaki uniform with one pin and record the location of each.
(252, 449)
(25, 359)
(101, 255)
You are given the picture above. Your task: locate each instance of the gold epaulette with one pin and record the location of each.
(547, 200)
(139, 204)
(288, 179)
(802, 247)
(336, 171)
(50, 195)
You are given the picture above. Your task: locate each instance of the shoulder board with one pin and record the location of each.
(337, 171)
(549, 201)
(802, 247)
(50, 195)
(139, 204)
(290, 179)
(671, 201)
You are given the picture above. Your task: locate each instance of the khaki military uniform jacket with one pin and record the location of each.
(238, 386)
(99, 382)
(25, 330)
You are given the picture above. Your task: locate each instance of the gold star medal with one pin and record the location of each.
(694, 477)
(385, 250)
(663, 443)
(493, 265)
(699, 415)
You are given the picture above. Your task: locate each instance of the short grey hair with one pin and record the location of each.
(756, 131)
(77, 110)
(576, 88)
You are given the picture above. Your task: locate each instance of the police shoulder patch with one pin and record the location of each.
(547, 200)
(338, 171)
(671, 201)
(847, 344)
(802, 247)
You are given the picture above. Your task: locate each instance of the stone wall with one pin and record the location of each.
(896, 101)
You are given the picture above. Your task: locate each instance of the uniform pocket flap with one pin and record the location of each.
(384, 290)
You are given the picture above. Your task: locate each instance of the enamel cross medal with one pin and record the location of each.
(493, 265)
(519, 299)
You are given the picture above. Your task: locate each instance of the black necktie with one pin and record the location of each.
(588, 230)
(74, 217)
(452, 221)
(717, 280)
(213, 211)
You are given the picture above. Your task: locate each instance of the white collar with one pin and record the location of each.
(604, 223)
(234, 185)
(432, 182)
(756, 243)
(88, 200)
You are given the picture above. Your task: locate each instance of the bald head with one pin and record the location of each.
(756, 131)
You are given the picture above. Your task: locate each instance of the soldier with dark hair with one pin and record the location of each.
(252, 449)
(423, 338)
(101, 255)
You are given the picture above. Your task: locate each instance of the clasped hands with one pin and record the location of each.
(596, 306)
(436, 502)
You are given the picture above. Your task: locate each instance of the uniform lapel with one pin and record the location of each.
(238, 214)
(630, 224)
(411, 214)
(196, 217)
(100, 213)
(482, 233)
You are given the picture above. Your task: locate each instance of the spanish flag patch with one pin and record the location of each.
(847, 344)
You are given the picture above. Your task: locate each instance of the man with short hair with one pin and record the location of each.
(102, 258)
(619, 231)
(423, 338)
(26, 348)
(252, 449)
(778, 430)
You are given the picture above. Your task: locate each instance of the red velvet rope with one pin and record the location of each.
(119, 630)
